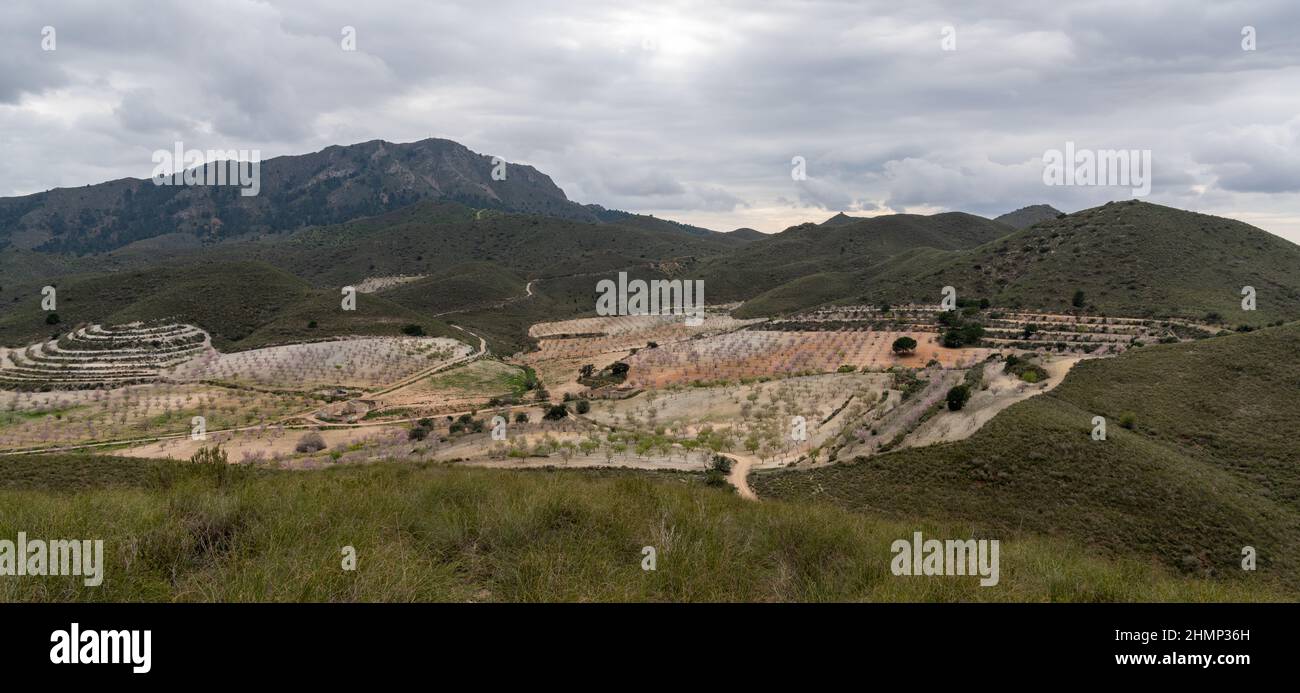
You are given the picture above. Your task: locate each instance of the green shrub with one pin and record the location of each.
(312, 441)
(903, 345)
(957, 397)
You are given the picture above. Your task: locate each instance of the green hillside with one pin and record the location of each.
(1208, 466)
(241, 304)
(561, 298)
(849, 246)
(812, 290)
(181, 532)
(1028, 216)
(465, 286)
(429, 238)
(1129, 258)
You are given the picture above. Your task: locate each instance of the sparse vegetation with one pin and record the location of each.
(310, 442)
(555, 536)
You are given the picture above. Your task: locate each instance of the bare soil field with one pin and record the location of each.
(560, 376)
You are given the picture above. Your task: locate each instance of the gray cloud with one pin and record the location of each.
(687, 110)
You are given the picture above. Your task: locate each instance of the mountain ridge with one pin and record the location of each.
(1028, 216)
(336, 184)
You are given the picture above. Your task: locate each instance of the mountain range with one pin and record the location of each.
(431, 211)
(336, 184)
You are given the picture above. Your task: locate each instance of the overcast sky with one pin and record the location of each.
(691, 111)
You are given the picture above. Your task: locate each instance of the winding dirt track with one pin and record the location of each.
(739, 474)
(482, 349)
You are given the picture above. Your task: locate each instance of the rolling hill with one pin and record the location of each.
(1025, 217)
(243, 305)
(748, 234)
(812, 249)
(1199, 461)
(429, 237)
(465, 286)
(1128, 258)
(469, 260)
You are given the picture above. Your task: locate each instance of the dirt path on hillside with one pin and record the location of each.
(739, 474)
(1003, 391)
(482, 349)
(528, 293)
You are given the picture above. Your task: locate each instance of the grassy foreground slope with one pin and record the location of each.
(177, 532)
(1210, 465)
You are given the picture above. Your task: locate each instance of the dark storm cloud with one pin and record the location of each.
(693, 110)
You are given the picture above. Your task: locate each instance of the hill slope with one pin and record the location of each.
(428, 238)
(433, 533)
(810, 249)
(1025, 217)
(1208, 467)
(1131, 258)
(241, 304)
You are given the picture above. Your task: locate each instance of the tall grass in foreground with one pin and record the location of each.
(434, 533)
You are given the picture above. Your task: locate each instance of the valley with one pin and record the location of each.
(943, 368)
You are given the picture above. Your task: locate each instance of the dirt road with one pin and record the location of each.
(739, 474)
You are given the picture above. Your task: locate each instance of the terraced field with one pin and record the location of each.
(586, 337)
(727, 386)
(101, 357)
(769, 353)
(364, 362)
(756, 418)
(1021, 329)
